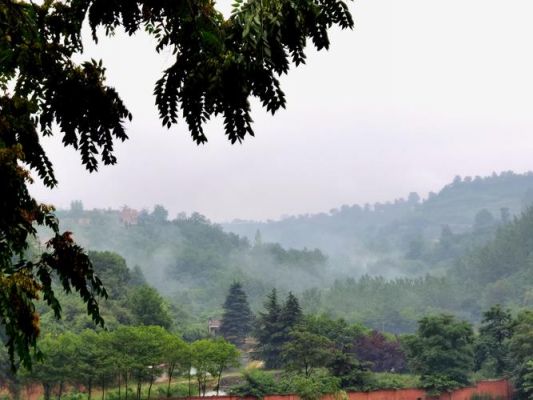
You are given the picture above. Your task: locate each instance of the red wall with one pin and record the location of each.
(499, 388)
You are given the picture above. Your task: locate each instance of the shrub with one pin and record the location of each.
(257, 384)
(312, 387)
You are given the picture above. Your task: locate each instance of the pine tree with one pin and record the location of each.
(268, 332)
(290, 316)
(274, 327)
(237, 319)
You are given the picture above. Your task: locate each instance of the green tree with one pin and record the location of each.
(210, 358)
(148, 307)
(225, 355)
(305, 351)
(56, 369)
(176, 355)
(521, 349)
(525, 381)
(291, 315)
(441, 351)
(111, 269)
(269, 332)
(342, 361)
(492, 345)
(237, 318)
(218, 65)
(274, 326)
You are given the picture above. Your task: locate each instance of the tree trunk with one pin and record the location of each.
(189, 376)
(60, 390)
(103, 388)
(199, 384)
(150, 386)
(218, 380)
(89, 388)
(139, 387)
(170, 372)
(46, 387)
(119, 385)
(126, 384)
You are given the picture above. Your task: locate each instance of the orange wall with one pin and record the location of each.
(499, 388)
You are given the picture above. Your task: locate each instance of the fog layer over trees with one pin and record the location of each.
(387, 265)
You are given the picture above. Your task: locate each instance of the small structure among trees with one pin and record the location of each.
(213, 326)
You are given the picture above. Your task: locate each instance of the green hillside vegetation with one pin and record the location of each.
(355, 236)
(192, 261)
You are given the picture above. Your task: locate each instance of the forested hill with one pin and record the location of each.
(462, 206)
(191, 260)
(499, 272)
(459, 251)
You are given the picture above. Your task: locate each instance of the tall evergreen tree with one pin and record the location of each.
(269, 333)
(237, 319)
(273, 329)
(290, 316)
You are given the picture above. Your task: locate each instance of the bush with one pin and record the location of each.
(259, 384)
(256, 383)
(176, 390)
(387, 380)
(312, 387)
(73, 396)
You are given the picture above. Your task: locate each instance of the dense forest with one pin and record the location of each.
(460, 251)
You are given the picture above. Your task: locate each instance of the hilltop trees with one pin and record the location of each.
(237, 319)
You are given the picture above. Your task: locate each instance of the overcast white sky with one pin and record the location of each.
(420, 91)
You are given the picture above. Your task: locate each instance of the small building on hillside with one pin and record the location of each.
(129, 216)
(213, 326)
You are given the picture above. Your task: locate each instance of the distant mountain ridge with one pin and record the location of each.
(397, 222)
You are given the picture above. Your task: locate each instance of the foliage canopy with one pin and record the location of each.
(218, 64)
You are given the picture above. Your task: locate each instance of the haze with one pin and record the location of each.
(419, 92)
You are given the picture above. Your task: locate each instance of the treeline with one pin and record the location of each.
(498, 272)
(191, 260)
(394, 223)
(126, 358)
(444, 352)
(316, 354)
(131, 301)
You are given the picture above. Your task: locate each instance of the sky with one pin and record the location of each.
(419, 92)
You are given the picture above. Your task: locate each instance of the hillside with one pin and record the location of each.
(356, 236)
(192, 261)
(458, 251)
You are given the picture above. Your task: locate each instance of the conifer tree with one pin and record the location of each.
(274, 327)
(237, 319)
(268, 332)
(290, 316)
